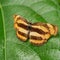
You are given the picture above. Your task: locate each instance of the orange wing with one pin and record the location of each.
(21, 26)
(41, 32)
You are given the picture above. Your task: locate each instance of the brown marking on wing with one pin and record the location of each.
(20, 28)
(23, 26)
(21, 37)
(22, 33)
(36, 38)
(20, 18)
(53, 29)
(40, 31)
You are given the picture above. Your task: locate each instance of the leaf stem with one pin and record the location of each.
(4, 44)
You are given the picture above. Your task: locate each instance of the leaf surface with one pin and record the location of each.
(11, 48)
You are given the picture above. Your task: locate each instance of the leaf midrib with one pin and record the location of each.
(4, 44)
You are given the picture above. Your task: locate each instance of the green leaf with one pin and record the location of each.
(1, 37)
(11, 48)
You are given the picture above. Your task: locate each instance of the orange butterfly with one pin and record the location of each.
(37, 33)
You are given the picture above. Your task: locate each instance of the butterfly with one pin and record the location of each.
(38, 33)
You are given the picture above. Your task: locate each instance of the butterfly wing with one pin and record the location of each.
(21, 26)
(39, 33)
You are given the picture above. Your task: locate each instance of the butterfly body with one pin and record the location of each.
(37, 33)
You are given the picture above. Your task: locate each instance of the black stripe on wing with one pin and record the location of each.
(36, 38)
